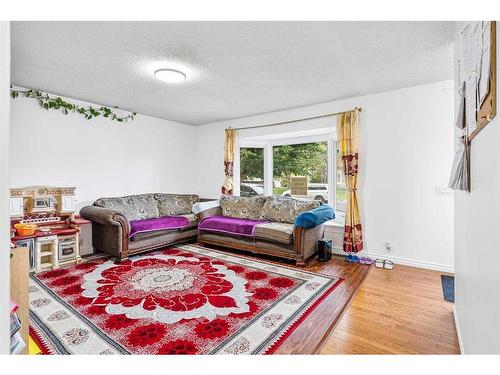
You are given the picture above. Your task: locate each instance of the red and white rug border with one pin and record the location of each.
(288, 332)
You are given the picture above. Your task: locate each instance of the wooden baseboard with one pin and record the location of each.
(405, 261)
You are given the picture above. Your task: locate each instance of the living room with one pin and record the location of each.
(185, 187)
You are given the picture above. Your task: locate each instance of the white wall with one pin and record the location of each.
(4, 186)
(406, 150)
(477, 244)
(98, 156)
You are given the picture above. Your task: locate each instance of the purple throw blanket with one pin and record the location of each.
(230, 225)
(150, 225)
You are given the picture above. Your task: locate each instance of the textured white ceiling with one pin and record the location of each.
(234, 69)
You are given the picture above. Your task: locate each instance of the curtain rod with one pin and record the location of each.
(298, 120)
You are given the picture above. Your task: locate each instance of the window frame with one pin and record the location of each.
(267, 146)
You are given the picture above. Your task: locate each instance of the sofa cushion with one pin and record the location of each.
(193, 224)
(193, 221)
(241, 242)
(272, 231)
(162, 238)
(242, 207)
(156, 224)
(229, 225)
(133, 207)
(285, 209)
(175, 204)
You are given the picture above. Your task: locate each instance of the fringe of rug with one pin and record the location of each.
(38, 339)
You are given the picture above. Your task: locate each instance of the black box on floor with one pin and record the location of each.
(324, 250)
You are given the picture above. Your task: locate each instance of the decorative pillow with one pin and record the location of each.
(133, 207)
(285, 209)
(242, 207)
(175, 204)
(315, 217)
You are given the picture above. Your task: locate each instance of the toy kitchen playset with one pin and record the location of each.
(43, 220)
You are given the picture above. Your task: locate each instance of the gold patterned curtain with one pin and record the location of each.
(348, 138)
(229, 151)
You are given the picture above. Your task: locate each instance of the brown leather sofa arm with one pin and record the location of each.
(203, 210)
(215, 211)
(306, 241)
(110, 230)
(104, 216)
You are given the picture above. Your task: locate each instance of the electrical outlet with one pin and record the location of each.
(388, 246)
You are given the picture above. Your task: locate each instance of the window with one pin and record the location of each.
(307, 167)
(305, 163)
(251, 171)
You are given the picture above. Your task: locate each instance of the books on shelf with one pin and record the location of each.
(15, 324)
(17, 343)
(13, 306)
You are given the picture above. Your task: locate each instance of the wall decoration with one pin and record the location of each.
(47, 102)
(477, 75)
(477, 94)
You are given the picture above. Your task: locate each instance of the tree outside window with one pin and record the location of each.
(305, 159)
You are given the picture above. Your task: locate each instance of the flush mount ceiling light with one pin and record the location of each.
(170, 75)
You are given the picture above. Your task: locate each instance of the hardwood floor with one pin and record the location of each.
(396, 312)
(310, 336)
(401, 311)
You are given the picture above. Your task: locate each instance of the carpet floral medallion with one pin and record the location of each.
(184, 300)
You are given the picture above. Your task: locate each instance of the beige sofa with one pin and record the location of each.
(114, 220)
(277, 236)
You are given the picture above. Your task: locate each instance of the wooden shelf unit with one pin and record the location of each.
(19, 289)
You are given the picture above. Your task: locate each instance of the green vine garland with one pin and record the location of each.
(58, 103)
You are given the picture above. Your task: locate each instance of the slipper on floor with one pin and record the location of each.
(388, 265)
(366, 260)
(352, 258)
(379, 263)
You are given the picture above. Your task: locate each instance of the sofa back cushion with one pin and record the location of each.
(285, 209)
(133, 207)
(242, 207)
(175, 204)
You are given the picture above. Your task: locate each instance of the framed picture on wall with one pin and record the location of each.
(477, 74)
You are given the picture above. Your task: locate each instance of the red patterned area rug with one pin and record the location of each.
(184, 300)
